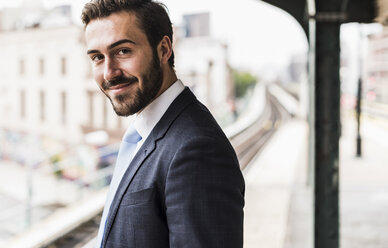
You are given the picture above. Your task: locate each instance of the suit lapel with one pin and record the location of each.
(174, 110)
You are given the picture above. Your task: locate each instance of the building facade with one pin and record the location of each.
(202, 63)
(376, 68)
(47, 88)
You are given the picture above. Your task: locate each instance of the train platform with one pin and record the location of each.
(364, 184)
(279, 198)
(269, 181)
(363, 190)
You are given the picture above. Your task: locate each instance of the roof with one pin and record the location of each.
(364, 11)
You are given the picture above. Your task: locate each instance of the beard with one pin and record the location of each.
(129, 103)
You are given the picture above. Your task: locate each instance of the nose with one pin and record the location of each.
(111, 70)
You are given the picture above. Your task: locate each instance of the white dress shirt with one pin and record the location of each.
(144, 122)
(147, 119)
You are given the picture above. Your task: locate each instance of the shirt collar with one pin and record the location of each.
(147, 119)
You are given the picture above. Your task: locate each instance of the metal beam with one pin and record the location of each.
(364, 11)
(351, 10)
(327, 123)
(323, 19)
(296, 8)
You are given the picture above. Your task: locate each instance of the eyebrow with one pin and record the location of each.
(117, 43)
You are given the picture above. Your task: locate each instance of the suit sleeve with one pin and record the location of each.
(205, 195)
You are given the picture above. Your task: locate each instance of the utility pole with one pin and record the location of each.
(359, 94)
(358, 116)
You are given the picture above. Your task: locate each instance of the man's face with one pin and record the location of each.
(125, 67)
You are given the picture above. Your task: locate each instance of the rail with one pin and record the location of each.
(250, 141)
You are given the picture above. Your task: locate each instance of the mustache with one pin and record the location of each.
(119, 80)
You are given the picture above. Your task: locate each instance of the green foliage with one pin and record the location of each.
(242, 82)
(55, 160)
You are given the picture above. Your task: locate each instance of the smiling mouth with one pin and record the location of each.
(120, 89)
(119, 86)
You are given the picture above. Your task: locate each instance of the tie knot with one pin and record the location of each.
(132, 136)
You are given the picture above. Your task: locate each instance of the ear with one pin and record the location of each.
(164, 49)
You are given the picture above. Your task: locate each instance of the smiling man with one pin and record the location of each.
(177, 182)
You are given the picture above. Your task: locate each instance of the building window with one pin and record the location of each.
(63, 66)
(64, 107)
(42, 105)
(22, 104)
(41, 66)
(21, 67)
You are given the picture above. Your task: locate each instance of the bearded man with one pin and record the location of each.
(177, 181)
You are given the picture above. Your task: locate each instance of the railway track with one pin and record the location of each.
(78, 237)
(247, 144)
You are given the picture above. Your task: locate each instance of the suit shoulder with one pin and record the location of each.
(197, 119)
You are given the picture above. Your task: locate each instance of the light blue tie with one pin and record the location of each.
(124, 158)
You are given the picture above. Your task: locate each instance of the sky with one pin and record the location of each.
(258, 35)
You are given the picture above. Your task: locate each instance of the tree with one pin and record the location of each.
(242, 82)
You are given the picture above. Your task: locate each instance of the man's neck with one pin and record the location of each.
(169, 78)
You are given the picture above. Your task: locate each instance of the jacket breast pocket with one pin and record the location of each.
(139, 197)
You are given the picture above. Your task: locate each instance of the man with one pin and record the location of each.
(182, 186)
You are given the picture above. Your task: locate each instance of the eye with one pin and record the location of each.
(123, 51)
(97, 57)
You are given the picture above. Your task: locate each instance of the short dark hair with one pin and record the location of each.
(152, 16)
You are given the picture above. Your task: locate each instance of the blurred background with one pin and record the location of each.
(247, 61)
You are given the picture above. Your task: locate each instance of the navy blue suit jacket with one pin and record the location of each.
(184, 187)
